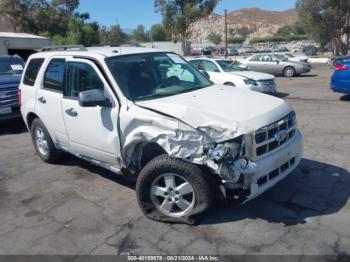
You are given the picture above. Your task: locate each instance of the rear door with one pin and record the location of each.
(270, 64)
(92, 131)
(48, 100)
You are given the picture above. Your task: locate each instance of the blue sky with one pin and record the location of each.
(130, 13)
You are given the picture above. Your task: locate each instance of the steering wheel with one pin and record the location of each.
(171, 81)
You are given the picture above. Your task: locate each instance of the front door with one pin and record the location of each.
(213, 71)
(92, 131)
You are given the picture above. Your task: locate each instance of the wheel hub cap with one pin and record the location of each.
(172, 195)
(41, 141)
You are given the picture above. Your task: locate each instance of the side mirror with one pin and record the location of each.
(92, 98)
(277, 62)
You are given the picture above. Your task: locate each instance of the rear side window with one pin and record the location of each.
(32, 71)
(54, 75)
(256, 58)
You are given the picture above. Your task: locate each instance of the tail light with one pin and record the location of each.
(341, 67)
(20, 97)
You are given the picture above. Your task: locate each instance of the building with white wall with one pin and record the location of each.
(21, 44)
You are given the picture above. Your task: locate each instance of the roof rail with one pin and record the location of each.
(63, 48)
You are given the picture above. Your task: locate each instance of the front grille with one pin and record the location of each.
(270, 138)
(9, 96)
(277, 172)
(267, 83)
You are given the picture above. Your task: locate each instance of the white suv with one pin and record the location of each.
(149, 114)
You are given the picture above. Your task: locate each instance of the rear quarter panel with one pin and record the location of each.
(29, 95)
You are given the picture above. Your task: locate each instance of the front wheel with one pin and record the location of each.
(172, 190)
(289, 71)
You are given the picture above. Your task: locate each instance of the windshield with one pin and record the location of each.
(230, 66)
(11, 66)
(153, 75)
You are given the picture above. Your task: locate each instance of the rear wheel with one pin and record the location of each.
(172, 190)
(229, 84)
(43, 143)
(289, 71)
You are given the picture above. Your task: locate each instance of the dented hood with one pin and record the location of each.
(229, 111)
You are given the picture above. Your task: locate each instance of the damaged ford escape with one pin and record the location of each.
(148, 114)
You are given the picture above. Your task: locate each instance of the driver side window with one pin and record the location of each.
(81, 77)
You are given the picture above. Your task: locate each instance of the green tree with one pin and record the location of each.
(215, 38)
(39, 16)
(291, 30)
(139, 34)
(324, 20)
(178, 15)
(79, 32)
(116, 36)
(157, 33)
(235, 40)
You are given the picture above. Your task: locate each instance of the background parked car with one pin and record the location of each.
(232, 52)
(233, 73)
(340, 81)
(271, 64)
(338, 59)
(11, 68)
(310, 50)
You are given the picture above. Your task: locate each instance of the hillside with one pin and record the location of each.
(250, 22)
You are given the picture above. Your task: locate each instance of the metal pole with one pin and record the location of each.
(347, 31)
(226, 34)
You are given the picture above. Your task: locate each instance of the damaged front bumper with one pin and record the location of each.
(264, 173)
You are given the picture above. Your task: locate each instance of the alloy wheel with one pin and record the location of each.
(172, 195)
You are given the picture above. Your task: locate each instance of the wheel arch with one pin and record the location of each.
(30, 118)
(143, 153)
(229, 83)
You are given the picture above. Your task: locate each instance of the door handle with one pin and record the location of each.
(42, 100)
(71, 112)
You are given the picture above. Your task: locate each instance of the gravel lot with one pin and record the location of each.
(76, 208)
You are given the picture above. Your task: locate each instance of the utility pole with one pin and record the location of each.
(226, 51)
(347, 32)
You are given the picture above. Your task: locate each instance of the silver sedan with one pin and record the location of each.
(269, 63)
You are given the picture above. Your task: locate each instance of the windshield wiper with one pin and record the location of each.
(170, 94)
(153, 96)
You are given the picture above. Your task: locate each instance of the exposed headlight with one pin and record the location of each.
(217, 152)
(250, 82)
(229, 149)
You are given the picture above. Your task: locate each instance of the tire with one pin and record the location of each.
(183, 206)
(43, 143)
(229, 84)
(289, 71)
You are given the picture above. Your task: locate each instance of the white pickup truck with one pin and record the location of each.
(149, 114)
